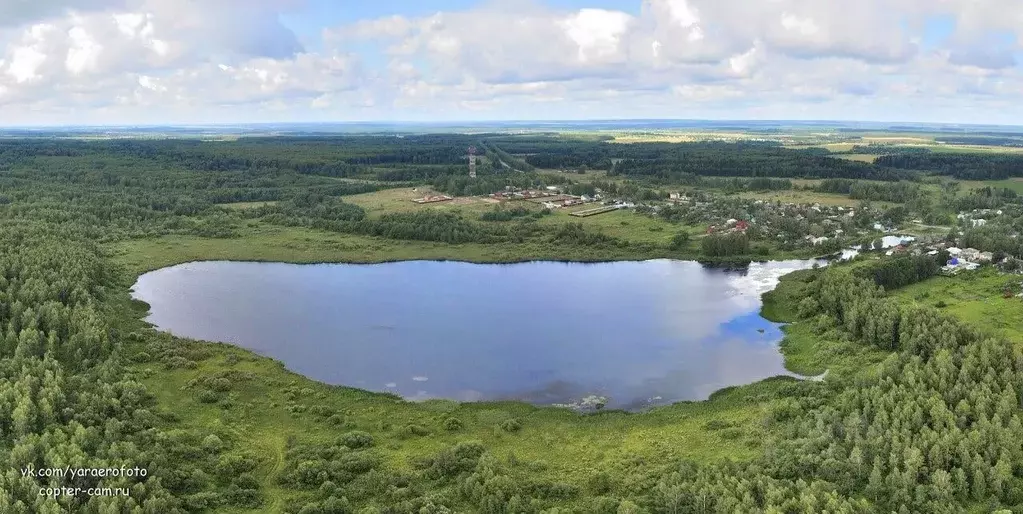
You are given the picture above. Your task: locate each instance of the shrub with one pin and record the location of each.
(716, 424)
(452, 424)
(511, 425)
(600, 483)
(220, 384)
(356, 439)
(411, 430)
(459, 458)
(212, 444)
(208, 396)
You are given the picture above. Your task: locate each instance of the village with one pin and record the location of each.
(788, 225)
(551, 198)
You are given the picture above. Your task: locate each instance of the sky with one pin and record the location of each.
(133, 62)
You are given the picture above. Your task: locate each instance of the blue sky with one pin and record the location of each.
(114, 61)
(319, 14)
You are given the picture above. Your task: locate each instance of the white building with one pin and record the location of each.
(978, 222)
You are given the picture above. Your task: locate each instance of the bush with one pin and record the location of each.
(208, 396)
(459, 458)
(356, 439)
(600, 483)
(452, 424)
(413, 430)
(212, 444)
(511, 425)
(807, 307)
(220, 384)
(716, 424)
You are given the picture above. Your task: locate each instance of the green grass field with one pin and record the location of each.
(862, 157)
(400, 200)
(975, 297)
(623, 224)
(269, 243)
(973, 148)
(1015, 184)
(805, 197)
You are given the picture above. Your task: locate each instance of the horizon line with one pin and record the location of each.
(492, 121)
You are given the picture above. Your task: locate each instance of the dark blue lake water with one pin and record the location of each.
(638, 333)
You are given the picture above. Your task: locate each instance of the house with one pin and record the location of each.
(731, 221)
(741, 225)
(978, 222)
(955, 252)
(674, 196)
(954, 265)
(552, 188)
(970, 254)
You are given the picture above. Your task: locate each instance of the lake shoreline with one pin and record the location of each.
(306, 246)
(787, 374)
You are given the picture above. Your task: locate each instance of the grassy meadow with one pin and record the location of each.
(977, 297)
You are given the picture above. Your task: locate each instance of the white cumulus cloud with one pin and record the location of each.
(167, 60)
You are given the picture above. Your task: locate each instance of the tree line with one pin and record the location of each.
(972, 166)
(897, 192)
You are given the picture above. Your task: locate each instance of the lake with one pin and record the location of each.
(637, 333)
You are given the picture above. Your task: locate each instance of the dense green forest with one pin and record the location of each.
(934, 428)
(974, 166)
(898, 192)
